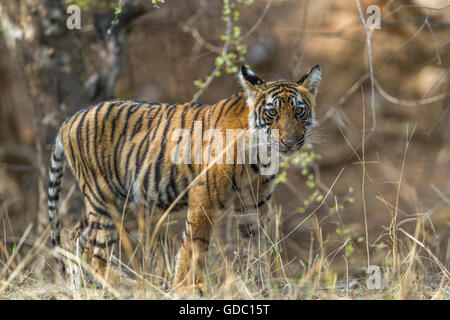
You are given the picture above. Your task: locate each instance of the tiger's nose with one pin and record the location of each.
(288, 142)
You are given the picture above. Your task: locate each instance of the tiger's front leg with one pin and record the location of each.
(192, 256)
(252, 241)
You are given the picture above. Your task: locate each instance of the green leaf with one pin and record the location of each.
(349, 249)
(281, 178)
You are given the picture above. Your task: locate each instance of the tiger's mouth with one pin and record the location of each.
(289, 149)
(278, 145)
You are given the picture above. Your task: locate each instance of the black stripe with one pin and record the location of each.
(197, 238)
(233, 179)
(137, 125)
(88, 152)
(110, 181)
(238, 99)
(79, 135)
(222, 108)
(99, 257)
(103, 245)
(122, 187)
(97, 225)
(106, 116)
(152, 117)
(190, 165)
(170, 113)
(97, 187)
(55, 170)
(268, 179)
(91, 192)
(127, 162)
(172, 183)
(54, 198)
(138, 153)
(201, 240)
(180, 138)
(263, 202)
(72, 153)
(113, 125)
(276, 87)
(183, 115)
(219, 201)
(158, 123)
(56, 159)
(146, 179)
(119, 145)
(53, 184)
(97, 209)
(96, 144)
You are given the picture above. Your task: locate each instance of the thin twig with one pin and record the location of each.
(369, 53)
(260, 19)
(363, 183)
(415, 6)
(394, 217)
(200, 40)
(224, 53)
(16, 167)
(295, 69)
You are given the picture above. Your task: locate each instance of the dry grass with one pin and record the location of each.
(415, 277)
(238, 269)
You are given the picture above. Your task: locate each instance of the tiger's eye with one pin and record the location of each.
(300, 110)
(272, 113)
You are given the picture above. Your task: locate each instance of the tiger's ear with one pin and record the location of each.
(250, 82)
(311, 80)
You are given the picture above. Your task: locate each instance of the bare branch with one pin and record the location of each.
(409, 103)
(296, 68)
(415, 6)
(369, 53)
(200, 40)
(260, 19)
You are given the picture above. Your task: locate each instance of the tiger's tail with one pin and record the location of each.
(56, 171)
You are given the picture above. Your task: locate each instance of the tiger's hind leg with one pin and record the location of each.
(105, 230)
(97, 241)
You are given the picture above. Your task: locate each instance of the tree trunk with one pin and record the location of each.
(36, 34)
(50, 55)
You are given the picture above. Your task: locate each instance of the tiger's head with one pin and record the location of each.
(283, 105)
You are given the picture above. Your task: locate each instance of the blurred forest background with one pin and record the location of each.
(165, 51)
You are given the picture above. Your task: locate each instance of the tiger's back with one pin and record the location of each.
(122, 148)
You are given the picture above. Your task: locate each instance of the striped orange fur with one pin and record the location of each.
(123, 149)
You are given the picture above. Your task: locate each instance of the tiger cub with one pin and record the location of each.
(122, 150)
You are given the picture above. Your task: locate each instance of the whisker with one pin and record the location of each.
(314, 137)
